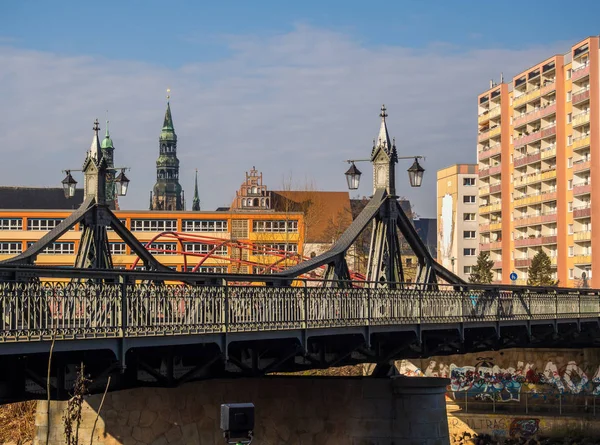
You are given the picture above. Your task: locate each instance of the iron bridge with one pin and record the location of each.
(154, 328)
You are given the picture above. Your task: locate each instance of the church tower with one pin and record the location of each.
(108, 150)
(167, 193)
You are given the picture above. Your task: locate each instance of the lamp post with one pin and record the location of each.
(94, 250)
(385, 263)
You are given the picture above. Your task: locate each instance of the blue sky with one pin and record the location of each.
(291, 87)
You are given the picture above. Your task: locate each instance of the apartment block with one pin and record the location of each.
(537, 151)
(458, 227)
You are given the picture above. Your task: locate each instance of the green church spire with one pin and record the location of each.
(196, 203)
(107, 141)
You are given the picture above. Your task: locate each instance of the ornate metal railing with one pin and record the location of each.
(129, 308)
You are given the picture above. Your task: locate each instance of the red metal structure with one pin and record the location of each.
(195, 260)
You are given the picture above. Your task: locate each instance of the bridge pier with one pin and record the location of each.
(290, 410)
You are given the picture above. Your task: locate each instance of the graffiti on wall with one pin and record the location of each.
(486, 380)
(497, 426)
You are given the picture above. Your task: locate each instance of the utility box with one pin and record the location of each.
(237, 420)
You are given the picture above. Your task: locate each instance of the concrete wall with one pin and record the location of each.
(504, 426)
(507, 374)
(290, 410)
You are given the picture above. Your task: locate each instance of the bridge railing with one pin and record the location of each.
(88, 308)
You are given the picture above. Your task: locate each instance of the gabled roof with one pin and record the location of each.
(326, 214)
(38, 198)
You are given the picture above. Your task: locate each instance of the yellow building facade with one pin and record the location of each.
(225, 242)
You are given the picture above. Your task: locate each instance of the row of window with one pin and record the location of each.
(205, 248)
(204, 225)
(275, 226)
(274, 248)
(60, 248)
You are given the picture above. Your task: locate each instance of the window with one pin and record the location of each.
(153, 225)
(569, 119)
(570, 162)
(570, 183)
(42, 223)
(569, 71)
(208, 269)
(469, 216)
(571, 274)
(57, 248)
(468, 270)
(408, 261)
(204, 248)
(568, 96)
(275, 226)
(274, 249)
(10, 247)
(571, 251)
(468, 181)
(469, 234)
(11, 224)
(163, 248)
(469, 199)
(469, 252)
(570, 206)
(569, 140)
(117, 248)
(203, 225)
(570, 229)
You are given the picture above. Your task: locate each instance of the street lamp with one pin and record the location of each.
(415, 173)
(69, 185)
(353, 177)
(121, 183)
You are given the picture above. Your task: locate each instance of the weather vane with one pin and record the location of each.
(168, 93)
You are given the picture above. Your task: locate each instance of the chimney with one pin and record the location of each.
(501, 77)
(491, 83)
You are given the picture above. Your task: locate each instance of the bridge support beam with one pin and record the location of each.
(288, 410)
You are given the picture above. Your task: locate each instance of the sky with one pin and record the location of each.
(293, 88)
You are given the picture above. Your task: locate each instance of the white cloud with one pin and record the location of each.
(296, 103)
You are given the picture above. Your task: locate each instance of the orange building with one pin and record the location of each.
(534, 148)
(225, 241)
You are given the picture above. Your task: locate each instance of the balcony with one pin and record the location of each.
(582, 189)
(495, 188)
(497, 265)
(489, 114)
(527, 159)
(549, 152)
(496, 226)
(484, 247)
(547, 88)
(550, 174)
(528, 200)
(522, 242)
(528, 220)
(548, 131)
(527, 97)
(549, 217)
(580, 119)
(586, 235)
(580, 97)
(583, 259)
(548, 196)
(484, 228)
(582, 212)
(489, 152)
(496, 245)
(580, 73)
(581, 142)
(484, 209)
(484, 191)
(550, 239)
(523, 262)
(581, 165)
(485, 135)
(548, 110)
